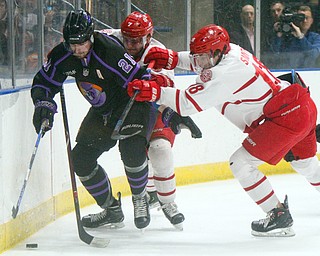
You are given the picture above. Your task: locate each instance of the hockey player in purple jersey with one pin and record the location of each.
(101, 69)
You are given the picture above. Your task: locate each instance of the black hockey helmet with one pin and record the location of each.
(78, 27)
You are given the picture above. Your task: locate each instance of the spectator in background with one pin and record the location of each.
(243, 34)
(3, 32)
(269, 33)
(276, 10)
(299, 48)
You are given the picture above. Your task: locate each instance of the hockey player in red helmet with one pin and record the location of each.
(136, 35)
(277, 113)
(137, 31)
(208, 46)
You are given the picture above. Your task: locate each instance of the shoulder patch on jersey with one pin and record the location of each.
(206, 75)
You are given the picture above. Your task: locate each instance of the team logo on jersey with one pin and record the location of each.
(206, 75)
(85, 72)
(93, 93)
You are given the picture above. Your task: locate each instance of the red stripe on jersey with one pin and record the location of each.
(245, 100)
(178, 101)
(194, 103)
(315, 184)
(167, 194)
(251, 80)
(265, 198)
(262, 71)
(256, 185)
(164, 179)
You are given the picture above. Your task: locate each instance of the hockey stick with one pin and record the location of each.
(40, 135)
(83, 235)
(116, 132)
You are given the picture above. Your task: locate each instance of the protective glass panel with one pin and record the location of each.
(289, 31)
(27, 41)
(290, 36)
(5, 76)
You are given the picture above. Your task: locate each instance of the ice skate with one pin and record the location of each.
(153, 199)
(141, 210)
(176, 218)
(111, 217)
(277, 223)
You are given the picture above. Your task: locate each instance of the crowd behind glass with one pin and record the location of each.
(20, 19)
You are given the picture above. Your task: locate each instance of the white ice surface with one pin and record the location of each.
(218, 217)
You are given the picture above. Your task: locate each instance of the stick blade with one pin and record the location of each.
(100, 242)
(91, 240)
(14, 212)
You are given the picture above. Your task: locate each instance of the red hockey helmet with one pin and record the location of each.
(207, 47)
(210, 38)
(137, 25)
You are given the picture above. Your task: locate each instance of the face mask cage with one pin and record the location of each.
(201, 61)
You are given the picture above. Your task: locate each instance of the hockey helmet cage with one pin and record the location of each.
(78, 27)
(137, 25)
(210, 38)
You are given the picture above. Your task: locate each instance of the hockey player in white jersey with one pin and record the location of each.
(136, 35)
(278, 115)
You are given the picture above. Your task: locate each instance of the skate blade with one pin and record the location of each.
(179, 226)
(108, 226)
(142, 230)
(115, 225)
(154, 205)
(280, 232)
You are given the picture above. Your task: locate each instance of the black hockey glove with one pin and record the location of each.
(44, 110)
(173, 120)
(318, 133)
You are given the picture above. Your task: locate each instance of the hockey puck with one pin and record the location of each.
(33, 246)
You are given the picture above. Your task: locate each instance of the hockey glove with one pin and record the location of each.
(164, 58)
(318, 133)
(148, 90)
(173, 120)
(44, 110)
(162, 80)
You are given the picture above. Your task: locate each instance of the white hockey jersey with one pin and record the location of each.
(238, 87)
